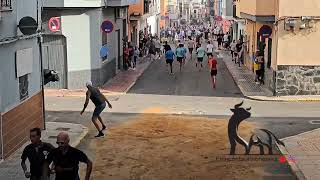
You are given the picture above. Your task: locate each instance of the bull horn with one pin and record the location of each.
(248, 109)
(238, 105)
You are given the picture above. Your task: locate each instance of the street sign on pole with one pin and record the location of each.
(54, 24)
(107, 26)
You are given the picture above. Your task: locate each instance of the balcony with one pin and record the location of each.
(119, 3)
(73, 3)
(258, 10)
(5, 5)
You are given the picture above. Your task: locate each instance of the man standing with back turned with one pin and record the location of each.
(99, 100)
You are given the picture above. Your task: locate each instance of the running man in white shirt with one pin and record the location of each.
(209, 49)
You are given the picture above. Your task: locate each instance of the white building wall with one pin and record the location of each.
(9, 87)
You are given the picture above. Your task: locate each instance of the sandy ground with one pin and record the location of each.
(159, 147)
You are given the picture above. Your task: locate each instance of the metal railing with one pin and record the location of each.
(5, 4)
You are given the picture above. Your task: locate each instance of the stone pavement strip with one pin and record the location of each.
(245, 81)
(10, 169)
(304, 150)
(125, 80)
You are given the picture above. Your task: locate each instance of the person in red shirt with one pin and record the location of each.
(213, 69)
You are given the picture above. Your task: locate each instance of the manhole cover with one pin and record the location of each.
(52, 137)
(314, 122)
(63, 129)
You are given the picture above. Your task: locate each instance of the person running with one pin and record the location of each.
(200, 55)
(180, 54)
(190, 46)
(99, 100)
(66, 160)
(36, 153)
(166, 47)
(169, 59)
(219, 39)
(233, 49)
(213, 70)
(136, 55)
(158, 48)
(209, 49)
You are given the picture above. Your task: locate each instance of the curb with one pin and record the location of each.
(104, 92)
(296, 171)
(264, 98)
(81, 136)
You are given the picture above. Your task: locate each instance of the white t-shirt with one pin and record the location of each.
(233, 46)
(209, 48)
(225, 37)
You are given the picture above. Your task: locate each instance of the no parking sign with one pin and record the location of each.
(107, 26)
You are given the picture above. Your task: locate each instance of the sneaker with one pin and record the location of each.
(100, 134)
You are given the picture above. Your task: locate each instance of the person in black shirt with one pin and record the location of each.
(36, 153)
(166, 47)
(66, 160)
(99, 100)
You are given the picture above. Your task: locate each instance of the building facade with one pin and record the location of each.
(286, 35)
(21, 97)
(74, 50)
(144, 19)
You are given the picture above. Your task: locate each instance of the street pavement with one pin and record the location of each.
(189, 82)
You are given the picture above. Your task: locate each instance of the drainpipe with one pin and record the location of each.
(41, 64)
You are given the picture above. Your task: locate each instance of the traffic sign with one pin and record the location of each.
(265, 31)
(54, 24)
(107, 26)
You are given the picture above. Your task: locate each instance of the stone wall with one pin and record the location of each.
(298, 80)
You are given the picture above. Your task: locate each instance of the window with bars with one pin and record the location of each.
(5, 4)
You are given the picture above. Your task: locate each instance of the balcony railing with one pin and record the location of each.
(5, 5)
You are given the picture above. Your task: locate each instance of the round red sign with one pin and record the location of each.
(54, 24)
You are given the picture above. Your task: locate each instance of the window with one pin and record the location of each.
(23, 87)
(5, 5)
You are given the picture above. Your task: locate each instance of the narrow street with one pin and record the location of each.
(94, 103)
(189, 82)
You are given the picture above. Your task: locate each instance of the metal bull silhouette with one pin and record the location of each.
(240, 114)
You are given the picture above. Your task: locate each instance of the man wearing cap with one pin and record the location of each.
(99, 100)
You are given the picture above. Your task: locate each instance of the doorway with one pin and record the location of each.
(54, 56)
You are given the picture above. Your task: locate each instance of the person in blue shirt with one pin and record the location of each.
(181, 54)
(169, 59)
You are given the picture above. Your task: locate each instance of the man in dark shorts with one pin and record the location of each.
(36, 153)
(200, 55)
(180, 54)
(169, 59)
(213, 70)
(99, 100)
(66, 160)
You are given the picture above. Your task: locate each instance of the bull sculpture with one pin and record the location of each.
(50, 76)
(239, 115)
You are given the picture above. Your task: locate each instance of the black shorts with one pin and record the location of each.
(98, 110)
(190, 50)
(214, 72)
(180, 59)
(169, 61)
(158, 50)
(200, 59)
(209, 54)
